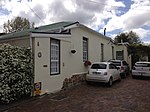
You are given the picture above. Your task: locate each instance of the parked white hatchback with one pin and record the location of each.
(141, 69)
(103, 72)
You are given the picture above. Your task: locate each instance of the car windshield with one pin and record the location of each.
(117, 63)
(98, 66)
(142, 65)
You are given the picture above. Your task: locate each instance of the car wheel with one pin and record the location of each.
(110, 82)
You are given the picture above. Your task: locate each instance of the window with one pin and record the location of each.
(111, 66)
(98, 66)
(124, 63)
(102, 52)
(142, 65)
(117, 63)
(119, 55)
(85, 49)
(55, 57)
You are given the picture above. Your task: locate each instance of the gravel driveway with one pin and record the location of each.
(129, 95)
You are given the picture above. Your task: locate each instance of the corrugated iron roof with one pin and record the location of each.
(51, 28)
(36, 29)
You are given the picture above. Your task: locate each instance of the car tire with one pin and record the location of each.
(110, 82)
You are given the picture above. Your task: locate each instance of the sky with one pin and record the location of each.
(117, 16)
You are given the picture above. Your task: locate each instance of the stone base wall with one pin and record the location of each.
(74, 80)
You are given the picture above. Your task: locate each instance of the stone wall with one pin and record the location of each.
(73, 81)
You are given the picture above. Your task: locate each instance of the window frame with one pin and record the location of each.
(113, 56)
(102, 52)
(120, 55)
(84, 39)
(58, 72)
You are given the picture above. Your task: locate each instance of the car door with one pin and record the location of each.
(126, 66)
(114, 71)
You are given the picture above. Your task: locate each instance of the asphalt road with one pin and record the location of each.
(129, 95)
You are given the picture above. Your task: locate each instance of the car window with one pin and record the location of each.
(117, 63)
(142, 65)
(124, 63)
(98, 66)
(112, 66)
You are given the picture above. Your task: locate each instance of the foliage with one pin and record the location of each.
(87, 63)
(136, 48)
(130, 37)
(15, 73)
(17, 24)
(139, 50)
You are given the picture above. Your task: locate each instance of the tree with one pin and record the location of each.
(130, 37)
(136, 48)
(17, 24)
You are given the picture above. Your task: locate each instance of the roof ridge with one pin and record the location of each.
(68, 22)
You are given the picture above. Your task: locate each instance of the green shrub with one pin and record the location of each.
(15, 73)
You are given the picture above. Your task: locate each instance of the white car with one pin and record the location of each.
(103, 72)
(123, 65)
(141, 69)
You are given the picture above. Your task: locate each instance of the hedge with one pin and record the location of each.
(15, 73)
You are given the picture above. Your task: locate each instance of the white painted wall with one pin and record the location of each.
(23, 41)
(127, 57)
(94, 44)
(70, 63)
(124, 48)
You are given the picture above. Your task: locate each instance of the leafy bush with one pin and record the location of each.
(15, 73)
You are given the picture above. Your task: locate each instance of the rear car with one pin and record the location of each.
(123, 67)
(103, 72)
(141, 69)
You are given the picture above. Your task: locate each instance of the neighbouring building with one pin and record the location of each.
(60, 51)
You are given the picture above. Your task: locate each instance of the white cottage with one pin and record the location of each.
(60, 51)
